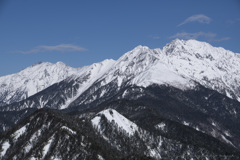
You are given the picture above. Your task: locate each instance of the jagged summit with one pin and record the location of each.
(180, 64)
(31, 80)
(186, 82)
(195, 47)
(136, 52)
(213, 67)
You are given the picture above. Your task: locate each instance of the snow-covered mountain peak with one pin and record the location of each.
(198, 49)
(103, 63)
(16, 87)
(61, 64)
(46, 69)
(99, 69)
(140, 47)
(177, 42)
(138, 51)
(134, 61)
(171, 47)
(45, 65)
(179, 64)
(195, 50)
(86, 76)
(39, 64)
(142, 67)
(213, 67)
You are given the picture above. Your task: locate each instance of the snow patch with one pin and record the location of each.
(96, 120)
(197, 128)
(160, 126)
(186, 123)
(68, 129)
(19, 132)
(47, 146)
(5, 147)
(227, 134)
(227, 141)
(228, 95)
(120, 120)
(214, 124)
(31, 141)
(100, 157)
(102, 93)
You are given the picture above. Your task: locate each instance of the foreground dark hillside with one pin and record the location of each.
(48, 134)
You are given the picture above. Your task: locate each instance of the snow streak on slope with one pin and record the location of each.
(19, 132)
(120, 121)
(31, 80)
(90, 74)
(46, 147)
(5, 147)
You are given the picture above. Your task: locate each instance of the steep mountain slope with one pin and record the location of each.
(203, 109)
(105, 135)
(187, 82)
(152, 141)
(19, 86)
(142, 67)
(181, 64)
(60, 95)
(49, 135)
(213, 67)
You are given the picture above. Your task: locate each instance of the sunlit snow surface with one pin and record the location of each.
(32, 80)
(213, 67)
(47, 146)
(179, 64)
(120, 120)
(94, 72)
(68, 129)
(19, 132)
(5, 147)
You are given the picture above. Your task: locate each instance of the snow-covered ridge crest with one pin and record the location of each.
(87, 76)
(142, 67)
(179, 64)
(16, 87)
(117, 118)
(213, 67)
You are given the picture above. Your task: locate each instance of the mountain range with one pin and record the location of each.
(181, 101)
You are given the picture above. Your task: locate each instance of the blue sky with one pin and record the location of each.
(81, 32)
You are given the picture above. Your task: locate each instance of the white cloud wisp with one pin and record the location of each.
(197, 18)
(207, 35)
(60, 48)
